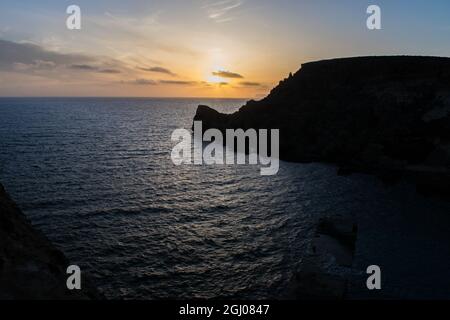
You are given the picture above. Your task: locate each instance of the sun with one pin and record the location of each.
(215, 79)
(216, 66)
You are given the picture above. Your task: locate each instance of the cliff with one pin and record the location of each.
(30, 266)
(385, 115)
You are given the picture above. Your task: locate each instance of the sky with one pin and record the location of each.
(199, 48)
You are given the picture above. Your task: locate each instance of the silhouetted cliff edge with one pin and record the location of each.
(30, 266)
(385, 115)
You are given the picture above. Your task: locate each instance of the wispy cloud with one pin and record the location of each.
(227, 74)
(158, 70)
(34, 60)
(32, 63)
(84, 67)
(250, 84)
(35, 65)
(13, 54)
(110, 71)
(130, 23)
(144, 31)
(87, 67)
(178, 82)
(221, 11)
(189, 83)
(141, 82)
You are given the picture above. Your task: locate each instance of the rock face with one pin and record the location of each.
(385, 115)
(30, 266)
(326, 270)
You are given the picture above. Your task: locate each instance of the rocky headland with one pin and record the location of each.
(389, 116)
(30, 266)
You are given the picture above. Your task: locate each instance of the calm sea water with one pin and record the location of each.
(95, 175)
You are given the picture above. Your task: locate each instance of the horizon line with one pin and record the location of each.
(120, 97)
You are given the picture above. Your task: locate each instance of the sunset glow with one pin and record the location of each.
(203, 48)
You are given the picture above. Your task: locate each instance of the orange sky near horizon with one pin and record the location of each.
(197, 48)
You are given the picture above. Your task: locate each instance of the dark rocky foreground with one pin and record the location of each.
(325, 271)
(384, 115)
(30, 266)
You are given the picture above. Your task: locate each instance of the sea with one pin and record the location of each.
(95, 175)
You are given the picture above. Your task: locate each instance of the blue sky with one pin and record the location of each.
(173, 47)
